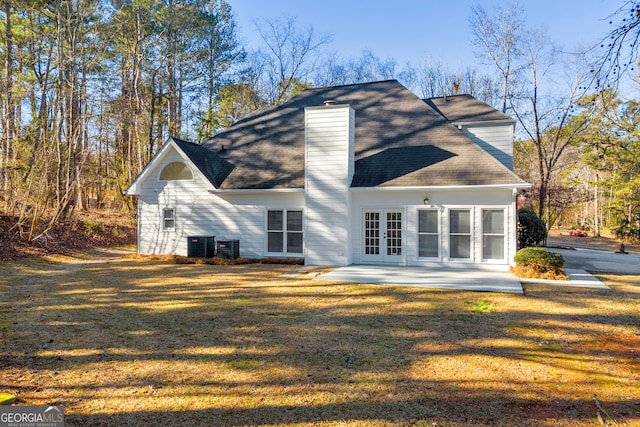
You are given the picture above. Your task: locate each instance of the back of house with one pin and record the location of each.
(364, 173)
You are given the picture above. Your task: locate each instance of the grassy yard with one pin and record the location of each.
(139, 342)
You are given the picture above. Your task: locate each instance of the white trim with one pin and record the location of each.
(439, 233)
(284, 253)
(442, 187)
(382, 258)
(157, 158)
(486, 122)
(505, 227)
(164, 219)
(472, 233)
(193, 177)
(257, 190)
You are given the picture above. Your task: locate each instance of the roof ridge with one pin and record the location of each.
(351, 84)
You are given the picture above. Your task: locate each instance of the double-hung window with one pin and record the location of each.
(493, 234)
(460, 233)
(428, 235)
(168, 219)
(284, 232)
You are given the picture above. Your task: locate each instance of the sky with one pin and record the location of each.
(412, 31)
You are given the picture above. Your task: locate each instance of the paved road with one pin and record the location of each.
(600, 261)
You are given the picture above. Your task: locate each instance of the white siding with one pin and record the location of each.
(200, 213)
(495, 139)
(329, 133)
(410, 201)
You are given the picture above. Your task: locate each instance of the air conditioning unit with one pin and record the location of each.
(201, 246)
(228, 249)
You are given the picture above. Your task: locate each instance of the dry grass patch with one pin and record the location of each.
(142, 342)
(529, 272)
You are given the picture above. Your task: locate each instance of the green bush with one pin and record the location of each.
(531, 229)
(539, 259)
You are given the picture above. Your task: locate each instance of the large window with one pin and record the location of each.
(169, 219)
(284, 232)
(428, 237)
(460, 234)
(493, 234)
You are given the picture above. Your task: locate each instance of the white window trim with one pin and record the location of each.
(438, 212)
(172, 218)
(284, 233)
(446, 234)
(505, 233)
(193, 176)
(477, 255)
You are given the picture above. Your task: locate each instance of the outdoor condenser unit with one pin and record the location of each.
(228, 249)
(201, 246)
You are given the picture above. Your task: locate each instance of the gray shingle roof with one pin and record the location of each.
(465, 109)
(399, 141)
(214, 167)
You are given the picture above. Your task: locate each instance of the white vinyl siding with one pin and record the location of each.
(329, 133)
(497, 140)
(200, 213)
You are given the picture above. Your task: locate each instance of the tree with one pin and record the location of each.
(289, 57)
(498, 39)
(90, 89)
(619, 48)
(232, 103)
(547, 111)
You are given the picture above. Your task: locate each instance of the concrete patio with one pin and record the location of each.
(467, 279)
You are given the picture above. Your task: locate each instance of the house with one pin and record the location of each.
(355, 174)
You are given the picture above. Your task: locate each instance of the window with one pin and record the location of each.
(428, 237)
(168, 219)
(175, 171)
(493, 234)
(284, 232)
(460, 233)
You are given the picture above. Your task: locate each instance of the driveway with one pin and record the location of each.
(595, 261)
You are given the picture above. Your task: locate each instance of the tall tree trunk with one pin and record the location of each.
(9, 109)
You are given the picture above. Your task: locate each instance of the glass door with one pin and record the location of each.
(382, 235)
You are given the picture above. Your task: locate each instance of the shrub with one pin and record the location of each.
(531, 229)
(539, 259)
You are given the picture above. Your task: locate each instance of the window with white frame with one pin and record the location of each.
(284, 232)
(460, 233)
(168, 219)
(428, 234)
(175, 171)
(493, 236)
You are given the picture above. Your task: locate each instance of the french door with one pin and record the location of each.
(382, 238)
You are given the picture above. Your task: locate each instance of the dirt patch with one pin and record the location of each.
(96, 229)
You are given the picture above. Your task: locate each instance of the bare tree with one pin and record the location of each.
(619, 48)
(291, 56)
(499, 39)
(547, 111)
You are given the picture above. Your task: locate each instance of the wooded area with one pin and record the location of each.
(91, 90)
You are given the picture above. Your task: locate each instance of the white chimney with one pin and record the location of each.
(329, 167)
